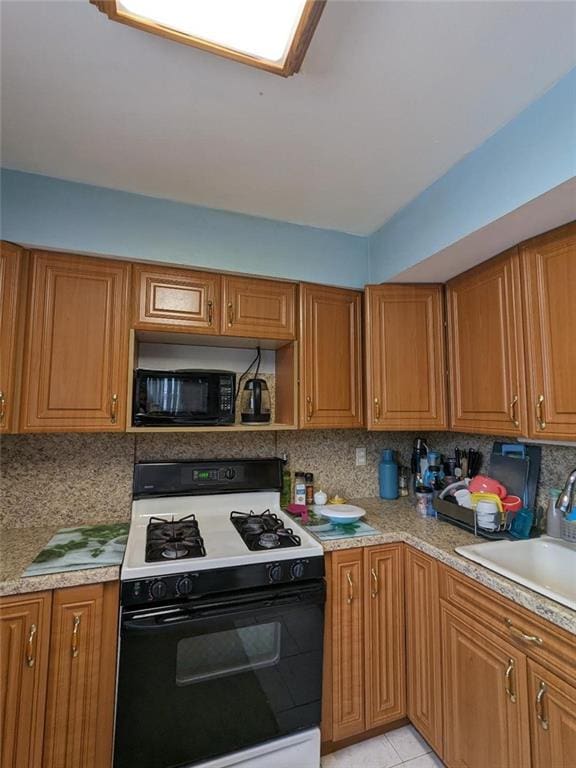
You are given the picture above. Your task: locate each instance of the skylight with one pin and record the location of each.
(270, 34)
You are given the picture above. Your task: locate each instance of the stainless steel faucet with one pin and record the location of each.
(567, 498)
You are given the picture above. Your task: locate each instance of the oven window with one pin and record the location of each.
(230, 652)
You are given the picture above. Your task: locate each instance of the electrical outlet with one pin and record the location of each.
(360, 457)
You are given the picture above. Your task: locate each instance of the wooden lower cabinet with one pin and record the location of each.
(58, 672)
(367, 641)
(485, 697)
(24, 641)
(552, 719)
(423, 647)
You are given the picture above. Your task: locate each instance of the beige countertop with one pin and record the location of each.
(395, 521)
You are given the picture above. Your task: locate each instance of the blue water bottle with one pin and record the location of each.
(388, 475)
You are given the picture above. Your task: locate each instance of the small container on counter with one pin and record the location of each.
(299, 488)
(424, 499)
(554, 516)
(320, 498)
(403, 481)
(309, 481)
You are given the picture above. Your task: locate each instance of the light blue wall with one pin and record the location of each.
(42, 211)
(531, 155)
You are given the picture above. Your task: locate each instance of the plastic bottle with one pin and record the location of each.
(388, 475)
(299, 488)
(553, 516)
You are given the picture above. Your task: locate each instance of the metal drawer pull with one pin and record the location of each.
(540, 706)
(539, 412)
(30, 658)
(114, 409)
(513, 405)
(2, 407)
(230, 313)
(375, 578)
(519, 635)
(75, 631)
(210, 312)
(377, 409)
(350, 588)
(508, 681)
(309, 409)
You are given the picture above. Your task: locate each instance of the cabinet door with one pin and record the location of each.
(553, 719)
(485, 697)
(24, 640)
(11, 276)
(76, 349)
(549, 280)
(80, 706)
(485, 345)
(168, 299)
(347, 644)
(331, 357)
(384, 635)
(423, 648)
(258, 309)
(406, 367)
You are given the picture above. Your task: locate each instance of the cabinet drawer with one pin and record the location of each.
(538, 638)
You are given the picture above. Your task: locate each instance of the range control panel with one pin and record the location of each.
(184, 586)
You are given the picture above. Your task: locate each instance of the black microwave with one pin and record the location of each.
(183, 398)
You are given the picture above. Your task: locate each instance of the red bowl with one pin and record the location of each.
(512, 503)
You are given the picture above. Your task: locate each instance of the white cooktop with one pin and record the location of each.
(224, 545)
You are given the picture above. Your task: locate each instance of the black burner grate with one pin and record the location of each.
(168, 540)
(265, 531)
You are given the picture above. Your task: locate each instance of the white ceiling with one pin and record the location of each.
(390, 96)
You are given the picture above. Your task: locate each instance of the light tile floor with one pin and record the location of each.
(402, 747)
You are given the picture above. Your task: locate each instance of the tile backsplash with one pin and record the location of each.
(72, 478)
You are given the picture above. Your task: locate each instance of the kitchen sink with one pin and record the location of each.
(546, 565)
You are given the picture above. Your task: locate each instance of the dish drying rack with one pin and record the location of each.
(466, 518)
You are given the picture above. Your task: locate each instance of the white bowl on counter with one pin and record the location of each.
(340, 514)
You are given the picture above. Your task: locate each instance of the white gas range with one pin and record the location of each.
(222, 610)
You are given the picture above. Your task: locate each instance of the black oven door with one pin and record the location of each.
(198, 680)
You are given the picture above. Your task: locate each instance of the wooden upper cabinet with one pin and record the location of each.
(24, 642)
(347, 590)
(12, 267)
(384, 651)
(171, 299)
(423, 646)
(549, 280)
(406, 361)
(81, 681)
(485, 697)
(76, 347)
(258, 309)
(553, 719)
(330, 357)
(485, 348)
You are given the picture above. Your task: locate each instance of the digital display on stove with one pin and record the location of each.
(205, 474)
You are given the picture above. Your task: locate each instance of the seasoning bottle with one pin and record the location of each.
(299, 488)
(309, 479)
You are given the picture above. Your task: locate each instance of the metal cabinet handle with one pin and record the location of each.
(540, 412)
(2, 407)
(350, 588)
(519, 635)
(508, 681)
(513, 417)
(309, 408)
(114, 409)
(376, 409)
(210, 312)
(374, 575)
(75, 638)
(540, 706)
(230, 314)
(30, 658)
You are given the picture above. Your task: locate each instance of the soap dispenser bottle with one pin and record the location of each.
(388, 475)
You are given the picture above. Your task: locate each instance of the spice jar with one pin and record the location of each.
(309, 480)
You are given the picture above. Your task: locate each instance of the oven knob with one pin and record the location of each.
(184, 585)
(275, 573)
(230, 473)
(297, 570)
(158, 590)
